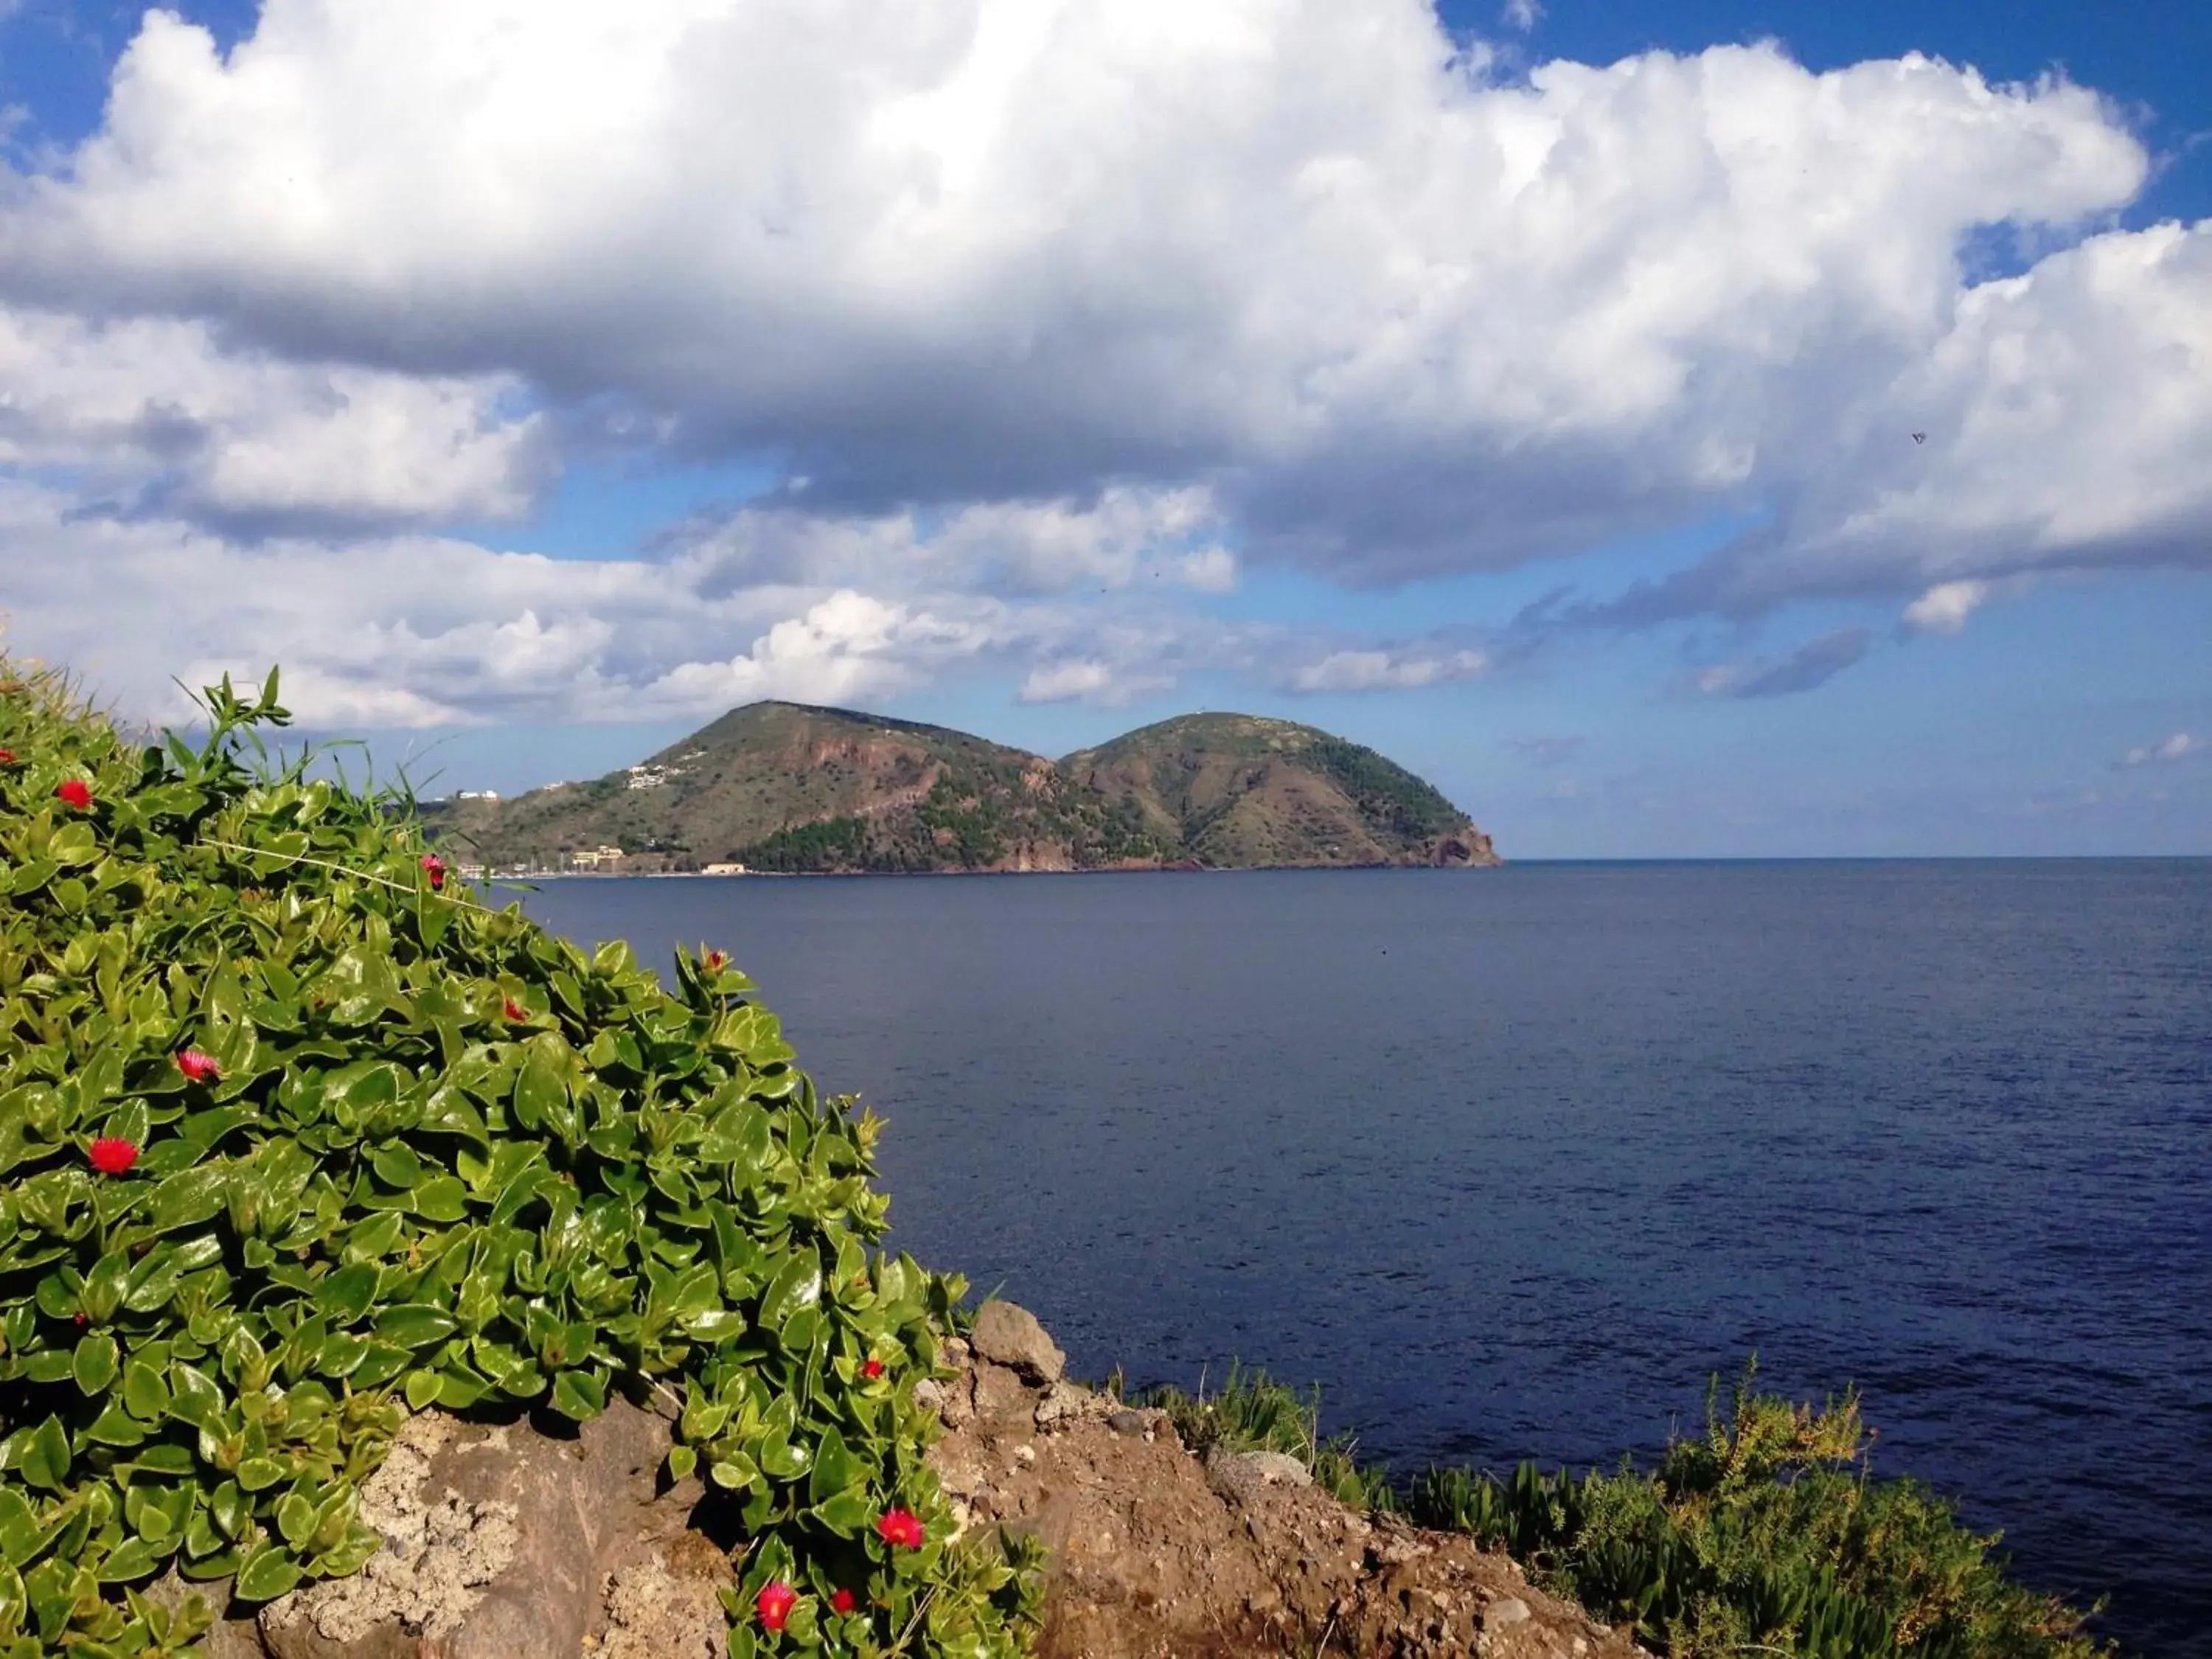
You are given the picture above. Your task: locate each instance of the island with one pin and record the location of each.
(788, 788)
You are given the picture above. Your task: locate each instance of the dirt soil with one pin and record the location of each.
(1156, 1555)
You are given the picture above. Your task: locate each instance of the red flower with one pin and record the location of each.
(80, 1319)
(7, 757)
(775, 1602)
(77, 792)
(435, 867)
(872, 1369)
(515, 1012)
(843, 1603)
(901, 1527)
(111, 1156)
(199, 1066)
(716, 961)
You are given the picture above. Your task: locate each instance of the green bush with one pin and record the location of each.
(1765, 1533)
(296, 1135)
(1251, 1411)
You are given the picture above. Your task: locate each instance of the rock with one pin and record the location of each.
(1242, 1477)
(999, 1393)
(1126, 1421)
(498, 1542)
(1064, 1404)
(654, 1612)
(1008, 1335)
(1512, 1610)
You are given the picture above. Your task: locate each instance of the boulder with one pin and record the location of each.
(500, 1542)
(1011, 1336)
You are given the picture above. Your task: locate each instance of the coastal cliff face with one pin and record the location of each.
(502, 1542)
(785, 788)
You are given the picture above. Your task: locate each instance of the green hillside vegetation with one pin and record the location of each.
(788, 788)
(1238, 790)
(297, 1136)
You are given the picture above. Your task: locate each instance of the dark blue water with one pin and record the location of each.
(1510, 1163)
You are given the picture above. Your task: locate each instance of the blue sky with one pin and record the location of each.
(1677, 430)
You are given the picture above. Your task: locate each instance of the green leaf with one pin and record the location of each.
(296, 1519)
(415, 1325)
(133, 1558)
(115, 1427)
(265, 1575)
(580, 1395)
(144, 1393)
(797, 1285)
(259, 1473)
(44, 1459)
(164, 1457)
(835, 1468)
(444, 1198)
(850, 1513)
(345, 1295)
(95, 1363)
(189, 1197)
(194, 1396)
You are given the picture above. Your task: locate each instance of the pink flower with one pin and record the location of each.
(435, 867)
(901, 1527)
(774, 1603)
(843, 1603)
(113, 1156)
(872, 1369)
(77, 792)
(199, 1066)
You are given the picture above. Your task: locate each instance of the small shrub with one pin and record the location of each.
(296, 1136)
(1252, 1413)
(1767, 1532)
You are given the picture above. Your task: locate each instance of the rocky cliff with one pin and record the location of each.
(505, 1542)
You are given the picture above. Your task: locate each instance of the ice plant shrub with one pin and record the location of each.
(278, 1166)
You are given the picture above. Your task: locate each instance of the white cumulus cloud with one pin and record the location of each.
(156, 406)
(1382, 669)
(1041, 298)
(1944, 608)
(2181, 746)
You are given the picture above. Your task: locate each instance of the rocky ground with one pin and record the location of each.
(503, 1543)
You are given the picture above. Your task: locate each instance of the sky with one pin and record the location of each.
(1675, 428)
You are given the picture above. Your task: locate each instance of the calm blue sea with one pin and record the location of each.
(1510, 1163)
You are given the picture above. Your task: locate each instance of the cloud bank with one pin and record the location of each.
(1029, 301)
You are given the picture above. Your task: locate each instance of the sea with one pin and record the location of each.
(1511, 1164)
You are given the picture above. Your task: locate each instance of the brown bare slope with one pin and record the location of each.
(1239, 790)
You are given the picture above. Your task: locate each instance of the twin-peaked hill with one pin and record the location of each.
(782, 786)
